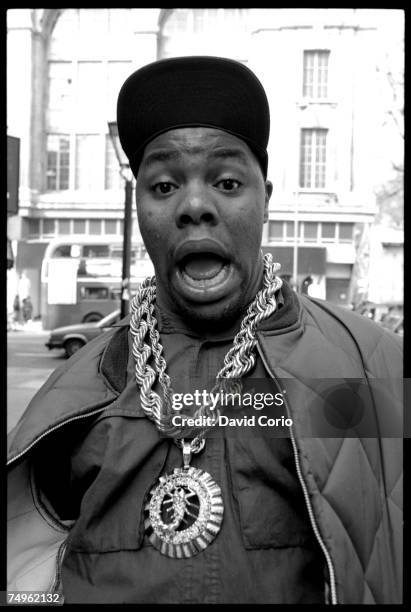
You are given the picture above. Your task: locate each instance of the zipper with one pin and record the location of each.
(331, 570)
(55, 588)
(49, 431)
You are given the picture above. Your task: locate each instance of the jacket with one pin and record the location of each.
(352, 484)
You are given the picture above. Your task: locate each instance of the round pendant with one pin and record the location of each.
(184, 512)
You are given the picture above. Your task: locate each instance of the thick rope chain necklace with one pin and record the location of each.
(184, 510)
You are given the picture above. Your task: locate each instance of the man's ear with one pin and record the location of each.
(268, 192)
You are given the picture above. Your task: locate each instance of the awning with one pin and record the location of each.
(311, 260)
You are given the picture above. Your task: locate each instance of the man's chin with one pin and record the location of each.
(217, 315)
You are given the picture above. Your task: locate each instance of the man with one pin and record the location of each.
(132, 505)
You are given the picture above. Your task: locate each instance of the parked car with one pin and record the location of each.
(73, 337)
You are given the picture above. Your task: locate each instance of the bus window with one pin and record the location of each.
(96, 250)
(115, 294)
(117, 253)
(94, 293)
(64, 250)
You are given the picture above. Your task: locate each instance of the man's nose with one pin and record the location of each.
(197, 206)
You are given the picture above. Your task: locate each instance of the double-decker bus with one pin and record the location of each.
(81, 278)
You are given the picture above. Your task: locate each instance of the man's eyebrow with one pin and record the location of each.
(227, 152)
(162, 155)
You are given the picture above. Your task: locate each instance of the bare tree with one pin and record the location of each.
(389, 193)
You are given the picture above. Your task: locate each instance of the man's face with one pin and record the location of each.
(201, 204)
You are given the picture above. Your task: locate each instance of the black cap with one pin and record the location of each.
(192, 91)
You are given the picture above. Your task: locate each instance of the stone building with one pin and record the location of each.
(318, 66)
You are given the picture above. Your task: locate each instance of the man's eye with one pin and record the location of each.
(228, 184)
(163, 188)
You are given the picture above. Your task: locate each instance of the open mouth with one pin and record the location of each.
(204, 269)
(205, 277)
(204, 272)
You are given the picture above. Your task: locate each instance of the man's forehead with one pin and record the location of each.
(211, 142)
(196, 136)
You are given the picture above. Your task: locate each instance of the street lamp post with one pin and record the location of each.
(126, 174)
(296, 238)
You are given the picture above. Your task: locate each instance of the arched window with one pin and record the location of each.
(90, 56)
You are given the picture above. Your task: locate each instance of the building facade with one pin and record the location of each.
(318, 66)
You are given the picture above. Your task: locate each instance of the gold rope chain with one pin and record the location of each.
(238, 361)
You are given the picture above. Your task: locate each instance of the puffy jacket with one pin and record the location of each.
(352, 484)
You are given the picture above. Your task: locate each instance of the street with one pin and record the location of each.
(29, 364)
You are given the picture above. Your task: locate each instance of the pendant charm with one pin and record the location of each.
(184, 512)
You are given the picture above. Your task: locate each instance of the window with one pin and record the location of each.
(236, 18)
(48, 227)
(90, 93)
(203, 18)
(64, 250)
(201, 23)
(64, 226)
(33, 228)
(110, 226)
(87, 167)
(94, 226)
(310, 231)
(58, 162)
(346, 232)
(290, 230)
(328, 231)
(96, 250)
(276, 230)
(60, 91)
(313, 156)
(178, 22)
(94, 293)
(116, 252)
(115, 294)
(79, 226)
(315, 74)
